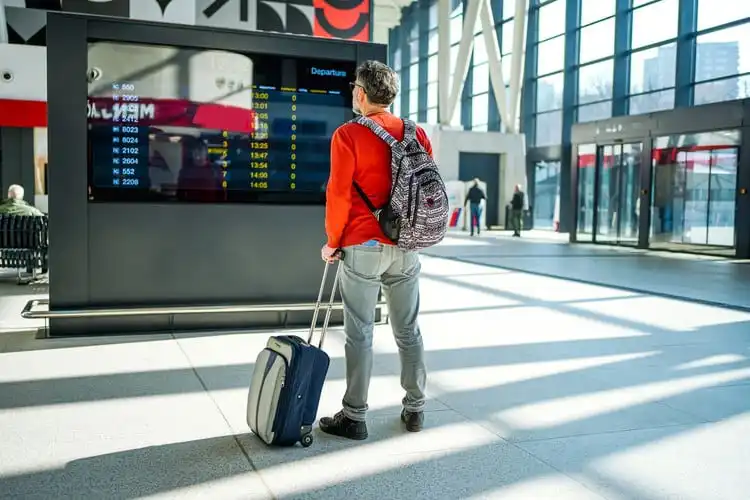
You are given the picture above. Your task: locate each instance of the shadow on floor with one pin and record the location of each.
(133, 473)
(661, 391)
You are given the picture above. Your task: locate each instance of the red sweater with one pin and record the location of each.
(357, 154)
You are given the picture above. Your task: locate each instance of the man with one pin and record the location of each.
(369, 258)
(474, 199)
(517, 205)
(15, 204)
(198, 180)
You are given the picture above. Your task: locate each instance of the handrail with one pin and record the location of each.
(28, 311)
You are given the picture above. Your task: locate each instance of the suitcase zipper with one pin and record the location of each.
(290, 400)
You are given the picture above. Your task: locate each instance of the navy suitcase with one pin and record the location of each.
(287, 382)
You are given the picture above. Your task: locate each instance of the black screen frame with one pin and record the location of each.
(250, 196)
(156, 254)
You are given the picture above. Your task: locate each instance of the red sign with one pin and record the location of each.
(347, 19)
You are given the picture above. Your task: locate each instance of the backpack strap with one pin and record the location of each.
(376, 129)
(410, 131)
(365, 198)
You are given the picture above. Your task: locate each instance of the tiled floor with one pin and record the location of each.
(712, 280)
(540, 388)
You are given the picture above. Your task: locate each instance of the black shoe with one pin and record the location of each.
(342, 426)
(414, 420)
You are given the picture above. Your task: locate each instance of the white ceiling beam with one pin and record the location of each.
(3, 23)
(519, 52)
(462, 59)
(497, 79)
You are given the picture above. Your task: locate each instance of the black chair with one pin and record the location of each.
(24, 244)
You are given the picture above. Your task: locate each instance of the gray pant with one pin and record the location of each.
(366, 268)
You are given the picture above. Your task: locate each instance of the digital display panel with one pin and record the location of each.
(186, 125)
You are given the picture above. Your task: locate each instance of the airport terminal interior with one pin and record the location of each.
(154, 245)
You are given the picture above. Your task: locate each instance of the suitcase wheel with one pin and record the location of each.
(307, 440)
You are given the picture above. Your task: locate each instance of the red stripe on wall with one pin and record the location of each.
(25, 114)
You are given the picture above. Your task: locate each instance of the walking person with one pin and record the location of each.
(361, 176)
(517, 207)
(474, 199)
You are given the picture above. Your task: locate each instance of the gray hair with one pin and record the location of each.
(15, 192)
(379, 82)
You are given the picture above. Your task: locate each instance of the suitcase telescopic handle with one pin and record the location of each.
(327, 317)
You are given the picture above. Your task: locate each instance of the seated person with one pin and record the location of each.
(15, 204)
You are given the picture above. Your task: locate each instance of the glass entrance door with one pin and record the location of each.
(694, 191)
(707, 180)
(586, 173)
(618, 193)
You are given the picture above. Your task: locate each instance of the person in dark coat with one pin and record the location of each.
(517, 205)
(474, 199)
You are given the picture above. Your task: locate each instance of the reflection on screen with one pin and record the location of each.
(177, 124)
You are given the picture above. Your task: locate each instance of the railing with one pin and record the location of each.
(29, 311)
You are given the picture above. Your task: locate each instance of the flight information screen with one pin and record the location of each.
(185, 125)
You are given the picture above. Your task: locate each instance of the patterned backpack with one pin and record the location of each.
(416, 215)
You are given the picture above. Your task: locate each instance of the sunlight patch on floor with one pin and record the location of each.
(665, 313)
(562, 411)
(719, 453)
(447, 267)
(92, 360)
(551, 487)
(452, 241)
(368, 459)
(540, 288)
(718, 360)
(483, 377)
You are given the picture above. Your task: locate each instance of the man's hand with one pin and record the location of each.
(329, 254)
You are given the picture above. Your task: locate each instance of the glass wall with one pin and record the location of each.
(617, 197)
(646, 38)
(595, 57)
(609, 193)
(550, 79)
(722, 58)
(546, 190)
(694, 189)
(585, 61)
(585, 207)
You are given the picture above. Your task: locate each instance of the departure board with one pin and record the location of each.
(175, 124)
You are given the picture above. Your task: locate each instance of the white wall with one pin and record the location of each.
(28, 65)
(448, 144)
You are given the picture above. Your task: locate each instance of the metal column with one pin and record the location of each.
(621, 78)
(686, 48)
(742, 221)
(568, 189)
